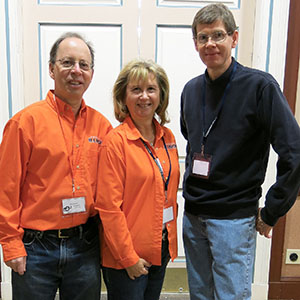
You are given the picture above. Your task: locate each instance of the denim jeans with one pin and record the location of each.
(220, 256)
(71, 265)
(146, 287)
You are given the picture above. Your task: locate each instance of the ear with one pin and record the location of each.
(51, 70)
(196, 44)
(235, 38)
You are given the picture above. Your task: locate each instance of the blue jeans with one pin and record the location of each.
(146, 287)
(220, 256)
(71, 265)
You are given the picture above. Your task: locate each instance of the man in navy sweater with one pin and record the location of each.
(230, 116)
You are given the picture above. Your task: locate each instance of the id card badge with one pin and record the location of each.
(201, 165)
(73, 205)
(168, 214)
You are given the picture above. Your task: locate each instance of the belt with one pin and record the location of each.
(67, 232)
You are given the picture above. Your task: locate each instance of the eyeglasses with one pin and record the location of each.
(216, 37)
(69, 63)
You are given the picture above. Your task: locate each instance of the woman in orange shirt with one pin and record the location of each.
(137, 186)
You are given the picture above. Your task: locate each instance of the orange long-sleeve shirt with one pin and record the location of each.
(131, 196)
(43, 145)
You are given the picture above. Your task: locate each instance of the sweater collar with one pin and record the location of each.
(223, 79)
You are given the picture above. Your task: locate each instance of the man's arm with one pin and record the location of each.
(14, 154)
(283, 133)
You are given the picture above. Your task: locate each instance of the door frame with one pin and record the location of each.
(286, 287)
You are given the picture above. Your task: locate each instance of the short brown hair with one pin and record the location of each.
(211, 13)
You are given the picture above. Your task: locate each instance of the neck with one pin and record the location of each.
(147, 130)
(215, 73)
(75, 109)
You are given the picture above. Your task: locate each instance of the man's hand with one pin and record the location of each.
(262, 227)
(140, 268)
(18, 265)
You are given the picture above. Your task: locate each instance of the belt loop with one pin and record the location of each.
(80, 232)
(39, 234)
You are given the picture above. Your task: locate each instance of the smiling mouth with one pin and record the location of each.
(144, 105)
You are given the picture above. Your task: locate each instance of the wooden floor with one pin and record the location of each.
(164, 296)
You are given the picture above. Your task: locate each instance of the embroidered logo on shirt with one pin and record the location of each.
(171, 146)
(95, 139)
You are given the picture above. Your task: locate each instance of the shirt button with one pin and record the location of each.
(77, 145)
(77, 167)
(78, 187)
(156, 148)
(164, 162)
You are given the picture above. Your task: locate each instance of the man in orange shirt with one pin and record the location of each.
(48, 170)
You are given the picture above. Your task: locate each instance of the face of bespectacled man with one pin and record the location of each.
(214, 45)
(72, 72)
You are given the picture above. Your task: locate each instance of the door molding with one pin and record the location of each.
(286, 287)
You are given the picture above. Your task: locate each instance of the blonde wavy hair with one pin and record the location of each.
(137, 70)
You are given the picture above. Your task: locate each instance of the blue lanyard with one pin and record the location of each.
(156, 160)
(205, 134)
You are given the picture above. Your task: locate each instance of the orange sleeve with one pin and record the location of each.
(111, 182)
(14, 154)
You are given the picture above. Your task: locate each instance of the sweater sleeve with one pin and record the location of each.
(284, 134)
(14, 155)
(111, 182)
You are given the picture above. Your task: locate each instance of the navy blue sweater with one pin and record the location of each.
(254, 116)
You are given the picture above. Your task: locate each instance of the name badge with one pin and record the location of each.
(201, 165)
(73, 205)
(168, 214)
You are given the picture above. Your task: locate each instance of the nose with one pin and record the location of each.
(76, 67)
(144, 94)
(210, 42)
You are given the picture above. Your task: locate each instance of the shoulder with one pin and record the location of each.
(254, 76)
(35, 111)
(194, 82)
(168, 135)
(115, 136)
(95, 114)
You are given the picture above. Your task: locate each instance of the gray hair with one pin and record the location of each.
(66, 35)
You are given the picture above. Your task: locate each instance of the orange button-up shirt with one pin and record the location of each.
(43, 147)
(131, 196)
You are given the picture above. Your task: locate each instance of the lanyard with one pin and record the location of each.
(156, 160)
(205, 134)
(69, 155)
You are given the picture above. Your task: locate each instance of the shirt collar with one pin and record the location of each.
(134, 134)
(62, 107)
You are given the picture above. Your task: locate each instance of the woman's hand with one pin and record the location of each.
(140, 268)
